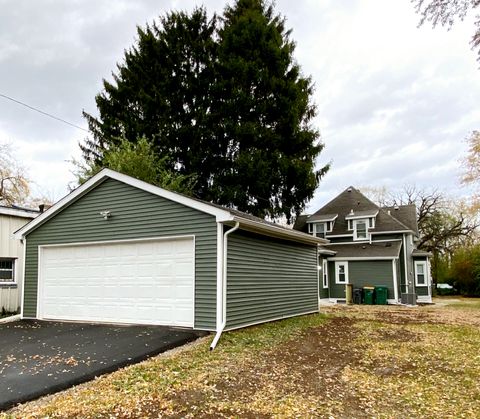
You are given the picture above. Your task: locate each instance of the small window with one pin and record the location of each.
(360, 232)
(320, 230)
(341, 272)
(325, 273)
(329, 226)
(7, 271)
(421, 274)
(371, 222)
(310, 228)
(350, 224)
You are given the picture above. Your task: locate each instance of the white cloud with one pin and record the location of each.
(395, 102)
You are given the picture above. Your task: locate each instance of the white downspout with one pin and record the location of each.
(407, 276)
(222, 302)
(395, 281)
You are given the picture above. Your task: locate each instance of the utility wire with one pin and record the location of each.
(42, 112)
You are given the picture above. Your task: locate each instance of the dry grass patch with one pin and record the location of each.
(353, 362)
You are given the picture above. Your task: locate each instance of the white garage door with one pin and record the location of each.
(144, 282)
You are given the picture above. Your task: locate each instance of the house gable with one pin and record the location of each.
(135, 213)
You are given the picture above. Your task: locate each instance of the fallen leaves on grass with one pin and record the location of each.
(356, 362)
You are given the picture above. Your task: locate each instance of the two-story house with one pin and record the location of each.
(369, 246)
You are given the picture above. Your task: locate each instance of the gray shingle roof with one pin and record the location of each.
(367, 250)
(352, 199)
(367, 213)
(407, 214)
(418, 252)
(321, 217)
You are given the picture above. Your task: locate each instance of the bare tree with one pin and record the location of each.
(446, 12)
(443, 224)
(14, 187)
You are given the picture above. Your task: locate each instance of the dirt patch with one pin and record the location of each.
(309, 366)
(399, 335)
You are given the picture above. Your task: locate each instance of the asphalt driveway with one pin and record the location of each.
(38, 358)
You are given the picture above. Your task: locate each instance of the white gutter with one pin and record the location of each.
(222, 302)
(14, 212)
(279, 232)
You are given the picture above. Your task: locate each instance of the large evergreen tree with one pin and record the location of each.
(265, 109)
(225, 100)
(161, 92)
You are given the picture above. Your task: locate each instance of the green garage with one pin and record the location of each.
(120, 250)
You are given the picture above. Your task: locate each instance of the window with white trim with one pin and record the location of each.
(421, 274)
(350, 224)
(360, 231)
(319, 230)
(325, 273)
(7, 271)
(341, 272)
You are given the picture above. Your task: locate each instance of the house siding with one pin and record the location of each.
(135, 214)
(364, 273)
(11, 248)
(269, 279)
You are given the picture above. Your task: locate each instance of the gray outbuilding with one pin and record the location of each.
(119, 250)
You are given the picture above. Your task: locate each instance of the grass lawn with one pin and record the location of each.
(355, 361)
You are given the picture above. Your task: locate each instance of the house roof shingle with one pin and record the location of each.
(352, 200)
(367, 250)
(407, 214)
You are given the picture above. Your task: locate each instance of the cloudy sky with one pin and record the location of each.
(395, 102)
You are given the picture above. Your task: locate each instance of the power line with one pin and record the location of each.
(42, 112)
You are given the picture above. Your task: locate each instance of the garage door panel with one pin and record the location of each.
(149, 282)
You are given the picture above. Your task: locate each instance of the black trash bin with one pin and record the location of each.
(357, 296)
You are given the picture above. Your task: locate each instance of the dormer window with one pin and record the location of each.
(320, 225)
(360, 231)
(319, 229)
(360, 223)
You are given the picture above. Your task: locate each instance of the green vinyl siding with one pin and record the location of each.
(375, 273)
(135, 214)
(269, 279)
(336, 290)
(364, 273)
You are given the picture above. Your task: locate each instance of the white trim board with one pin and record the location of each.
(364, 242)
(347, 259)
(15, 212)
(221, 214)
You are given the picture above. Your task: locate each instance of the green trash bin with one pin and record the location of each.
(368, 293)
(381, 295)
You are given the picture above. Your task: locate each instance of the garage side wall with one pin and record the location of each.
(135, 214)
(269, 279)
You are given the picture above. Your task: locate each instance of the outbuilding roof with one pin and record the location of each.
(221, 214)
(16, 211)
